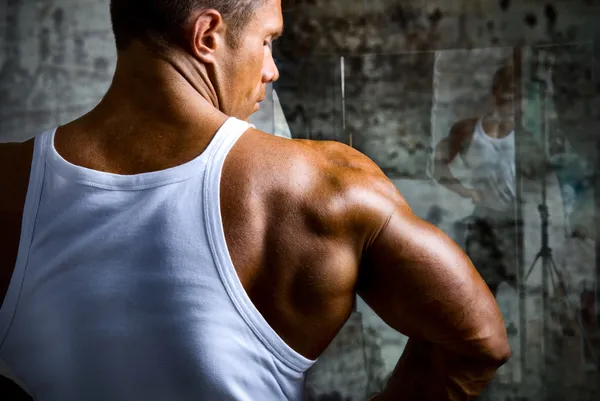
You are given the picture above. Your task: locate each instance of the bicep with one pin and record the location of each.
(448, 148)
(457, 142)
(423, 285)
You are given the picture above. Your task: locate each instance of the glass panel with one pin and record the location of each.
(387, 111)
(311, 97)
(264, 118)
(394, 80)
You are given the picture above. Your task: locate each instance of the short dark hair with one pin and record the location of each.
(503, 77)
(159, 23)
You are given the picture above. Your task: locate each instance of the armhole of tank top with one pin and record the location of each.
(226, 270)
(32, 201)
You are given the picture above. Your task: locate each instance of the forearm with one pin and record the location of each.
(426, 372)
(443, 175)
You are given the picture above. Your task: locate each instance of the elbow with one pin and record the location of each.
(501, 353)
(496, 350)
(488, 345)
(436, 170)
(490, 333)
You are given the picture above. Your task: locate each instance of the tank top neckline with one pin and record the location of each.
(105, 180)
(481, 131)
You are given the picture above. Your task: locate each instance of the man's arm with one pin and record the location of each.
(422, 284)
(445, 153)
(15, 166)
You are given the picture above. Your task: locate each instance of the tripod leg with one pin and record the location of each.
(555, 270)
(533, 265)
(552, 274)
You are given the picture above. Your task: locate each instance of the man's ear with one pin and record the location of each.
(207, 34)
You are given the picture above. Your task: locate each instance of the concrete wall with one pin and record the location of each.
(57, 61)
(402, 93)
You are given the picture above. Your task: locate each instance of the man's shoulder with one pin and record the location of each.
(464, 128)
(12, 149)
(15, 165)
(332, 182)
(15, 155)
(329, 163)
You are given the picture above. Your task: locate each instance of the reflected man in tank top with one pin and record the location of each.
(486, 146)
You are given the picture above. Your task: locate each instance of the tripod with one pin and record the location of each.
(550, 271)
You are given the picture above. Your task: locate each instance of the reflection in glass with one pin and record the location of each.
(495, 146)
(484, 114)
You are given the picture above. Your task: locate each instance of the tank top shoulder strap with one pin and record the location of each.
(225, 138)
(223, 143)
(478, 131)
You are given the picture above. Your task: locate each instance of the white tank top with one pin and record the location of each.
(124, 290)
(491, 162)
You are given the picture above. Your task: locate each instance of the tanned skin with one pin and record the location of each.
(308, 224)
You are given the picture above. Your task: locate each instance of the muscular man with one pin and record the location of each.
(487, 148)
(160, 248)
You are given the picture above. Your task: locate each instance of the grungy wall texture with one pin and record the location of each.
(410, 69)
(57, 62)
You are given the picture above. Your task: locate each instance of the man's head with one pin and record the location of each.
(228, 40)
(503, 87)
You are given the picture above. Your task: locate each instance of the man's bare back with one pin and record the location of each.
(303, 281)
